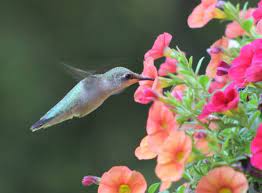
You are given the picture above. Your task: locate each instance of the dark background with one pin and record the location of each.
(35, 37)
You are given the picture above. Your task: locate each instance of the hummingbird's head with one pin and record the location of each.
(125, 77)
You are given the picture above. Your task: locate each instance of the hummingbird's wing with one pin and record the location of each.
(77, 73)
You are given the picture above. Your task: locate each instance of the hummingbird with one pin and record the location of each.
(88, 94)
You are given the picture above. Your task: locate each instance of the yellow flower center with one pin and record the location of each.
(180, 156)
(124, 189)
(225, 190)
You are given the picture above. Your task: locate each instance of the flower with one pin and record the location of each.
(141, 95)
(173, 156)
(221, 101)
(216, 53)
(161, 121)
(222, 68)
(257, 14)
(89, 180)
(256, 149)
(160, 46)
(143, 151)
(247, 67)
(120, 179)
(233, 29)
(216, 85)
(169, 66)
(203, 13)
(223, 180)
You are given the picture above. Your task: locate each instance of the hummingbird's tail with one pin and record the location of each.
(42, 123)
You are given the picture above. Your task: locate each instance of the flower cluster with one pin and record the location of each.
(205, 130)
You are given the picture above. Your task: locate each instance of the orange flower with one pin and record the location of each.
(216, 53)
(173, 156)
(161, 121)
(233, 29)
(203, 13)
(144, 151)
(120, 179)
(223, 180)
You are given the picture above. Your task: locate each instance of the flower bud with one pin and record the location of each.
(89, 180)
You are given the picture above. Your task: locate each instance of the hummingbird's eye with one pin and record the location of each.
(128, 76)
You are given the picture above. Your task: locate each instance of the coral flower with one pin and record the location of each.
(143, 151)
(141, 95)
(221, 101)
(256, 149)
(169, 66)
(233, 29)
(203, 13)
(216, 53)
(160, 47)
(223, 180)
(161, 121)
(173, 156)
(121, 179)
(247, 67)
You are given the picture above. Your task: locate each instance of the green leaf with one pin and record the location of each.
(153, 187)
(247, 24)
(203, 80)
(199, 65)
(181, 189)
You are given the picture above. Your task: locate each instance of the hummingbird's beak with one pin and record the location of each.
(141, 78)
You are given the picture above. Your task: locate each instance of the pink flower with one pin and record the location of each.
(89, 180)
(233, 29)
(203, 13)
(160, 45)
(247, 67)
(257, 14)
(221, 101)
(256, 149)
(169, 66)
(141, 94)
(161, 121)
(216, 85)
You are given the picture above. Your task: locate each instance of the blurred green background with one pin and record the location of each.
(35, 37)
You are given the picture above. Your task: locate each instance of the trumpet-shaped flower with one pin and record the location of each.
(223, 180)
(172, 158)
(169, 66)
(203, 13)
(221, 101)
(121, 179)
(160, 46)
(233, 29)
(247, 67)
(141, 95)
(256, 149)
(161, 121)
(143, 151)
